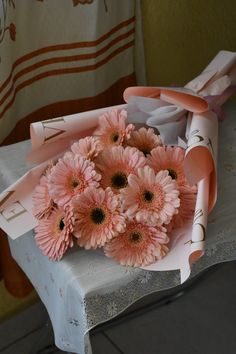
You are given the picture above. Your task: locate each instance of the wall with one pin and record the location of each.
(182, 36)
(10, 305)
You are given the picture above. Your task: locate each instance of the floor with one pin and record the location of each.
(202, 320)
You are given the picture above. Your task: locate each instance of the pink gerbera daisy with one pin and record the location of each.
(54, 234)
(116, 164)
(70, 177)
(145, 140)
(112, 129)
(139, 245)
(88, 147)
(169, 158)
(151, 197)
(42, 201)
(187, 196)
(98, 217)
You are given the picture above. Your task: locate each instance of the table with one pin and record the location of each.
(86, 288)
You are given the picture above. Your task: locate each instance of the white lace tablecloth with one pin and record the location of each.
(86, 288)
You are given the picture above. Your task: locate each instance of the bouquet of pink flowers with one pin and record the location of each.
(120, 188)
(138, 179)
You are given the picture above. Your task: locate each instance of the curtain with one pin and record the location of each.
(59, 57)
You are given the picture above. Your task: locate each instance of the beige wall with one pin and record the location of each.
(182, 36)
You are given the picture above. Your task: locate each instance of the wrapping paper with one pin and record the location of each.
(186, 116)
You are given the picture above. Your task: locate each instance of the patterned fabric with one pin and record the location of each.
(61, 57)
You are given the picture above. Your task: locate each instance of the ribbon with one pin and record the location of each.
(167, 108)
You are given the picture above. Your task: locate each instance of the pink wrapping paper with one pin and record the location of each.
(186, 116)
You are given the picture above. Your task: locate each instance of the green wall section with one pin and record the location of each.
(10, 305)
(182, 36)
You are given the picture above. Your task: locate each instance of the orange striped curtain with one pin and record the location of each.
(59, 57)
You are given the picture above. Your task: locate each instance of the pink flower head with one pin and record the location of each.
(88, 147)
(54, 234)
(70, 177)
(151, 197)
(112, 129)
(169, 158)
(42, 201)
(98, 217)
(144, 140)
(139, 245)
(187, 196)
(116, 164)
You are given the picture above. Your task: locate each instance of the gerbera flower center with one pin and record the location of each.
(74, 183)
(61, 224)
(119, 180)
(135, 237)
(151, 200)
(146, 151)
(148, 196)
(97, 216)
(114, 137)
(172, 174)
